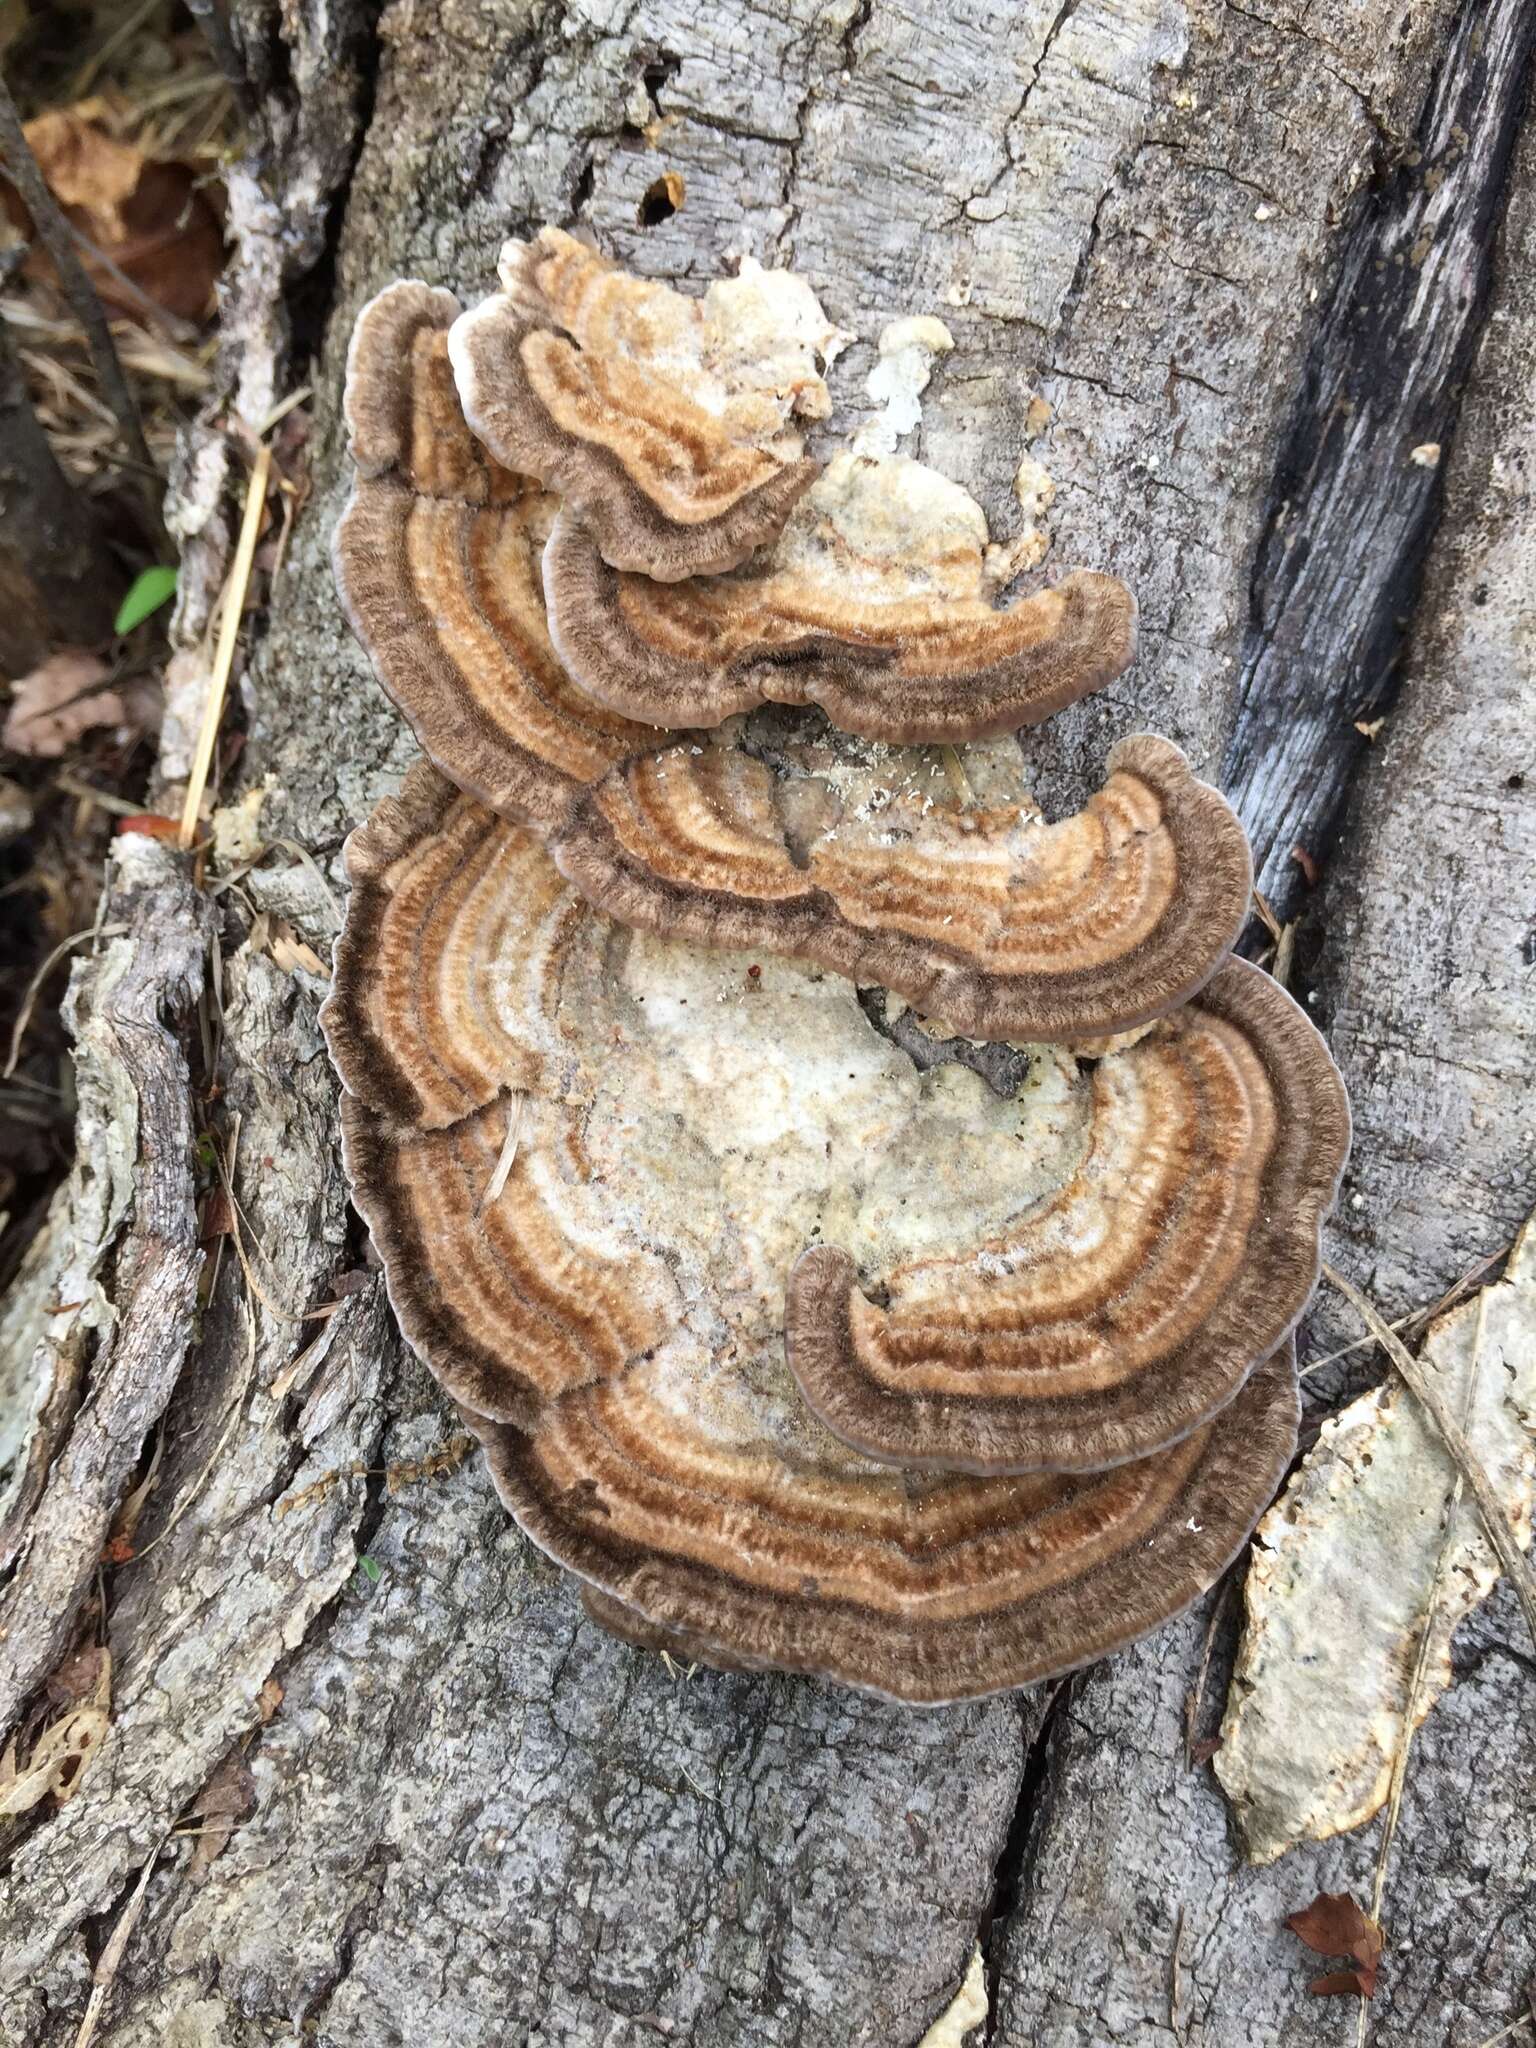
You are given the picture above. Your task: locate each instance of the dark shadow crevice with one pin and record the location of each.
(1356, 494)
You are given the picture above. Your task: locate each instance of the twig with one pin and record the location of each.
(1415, 1316)
(88, 794)
(229, 632)
(1266, 917)
(1175, 2009)
(1427, 1394)
(55, 234)
(226, 53)
(24, 1014)
(1197, 1691)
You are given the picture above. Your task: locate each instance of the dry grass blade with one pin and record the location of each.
(1496, 1522)
(1420, 1665)
(229, 633)
(112, 1954)
(1417, 1319)
(235, 1407)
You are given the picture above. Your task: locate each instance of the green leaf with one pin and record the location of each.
(150, 589)
(372, 1570)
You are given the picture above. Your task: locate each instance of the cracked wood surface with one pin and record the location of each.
(476, 1819)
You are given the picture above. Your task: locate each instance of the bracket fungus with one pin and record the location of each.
(871, 604)
(590, 1156)
(810, 843)
(806, 1332)
(667, 422)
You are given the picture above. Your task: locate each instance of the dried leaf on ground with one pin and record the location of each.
(56, 1761)
(219, 1808)
(70, 694)
(1348, 1564)
(150, 221)
(1333, 1925)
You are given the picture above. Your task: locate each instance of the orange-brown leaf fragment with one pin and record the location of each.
(1307, 863)
(151, 824)
(1333, 1925)
(144, 223)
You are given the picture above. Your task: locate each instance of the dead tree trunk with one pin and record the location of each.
(1254, 263)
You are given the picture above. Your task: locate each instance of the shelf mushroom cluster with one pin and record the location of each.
(863, 1222)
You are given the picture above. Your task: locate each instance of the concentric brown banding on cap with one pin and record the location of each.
(556, 388)
(417, 1026)
(437, 564)
(923, 1591)
(859, 858)
(1124, 1311)
(1000, 925)
(888, 666)
(610, 1287)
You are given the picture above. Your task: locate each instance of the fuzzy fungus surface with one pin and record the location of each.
(900, 866)
(669, 423)
(863, 1220)
(595, 1158)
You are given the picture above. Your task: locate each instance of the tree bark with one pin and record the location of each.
(472, 1818)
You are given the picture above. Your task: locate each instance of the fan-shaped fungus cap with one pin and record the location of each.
(872, 604)
(867, 860)
(591, 1255)
(924, 1591)
(1126, 1308)
(437, 564)
(664, 420)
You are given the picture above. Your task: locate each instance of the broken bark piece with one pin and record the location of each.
(1358, 1558)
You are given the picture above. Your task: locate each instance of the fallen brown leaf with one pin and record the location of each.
(59, 1757)
(1343, 1984)
(70, 694)
(218, 1216)
(149, 221)
(221, 1805)
(1333, 1925)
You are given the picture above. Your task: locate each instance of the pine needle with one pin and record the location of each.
(229, 633)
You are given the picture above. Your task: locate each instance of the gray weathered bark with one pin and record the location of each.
(473, 1818)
